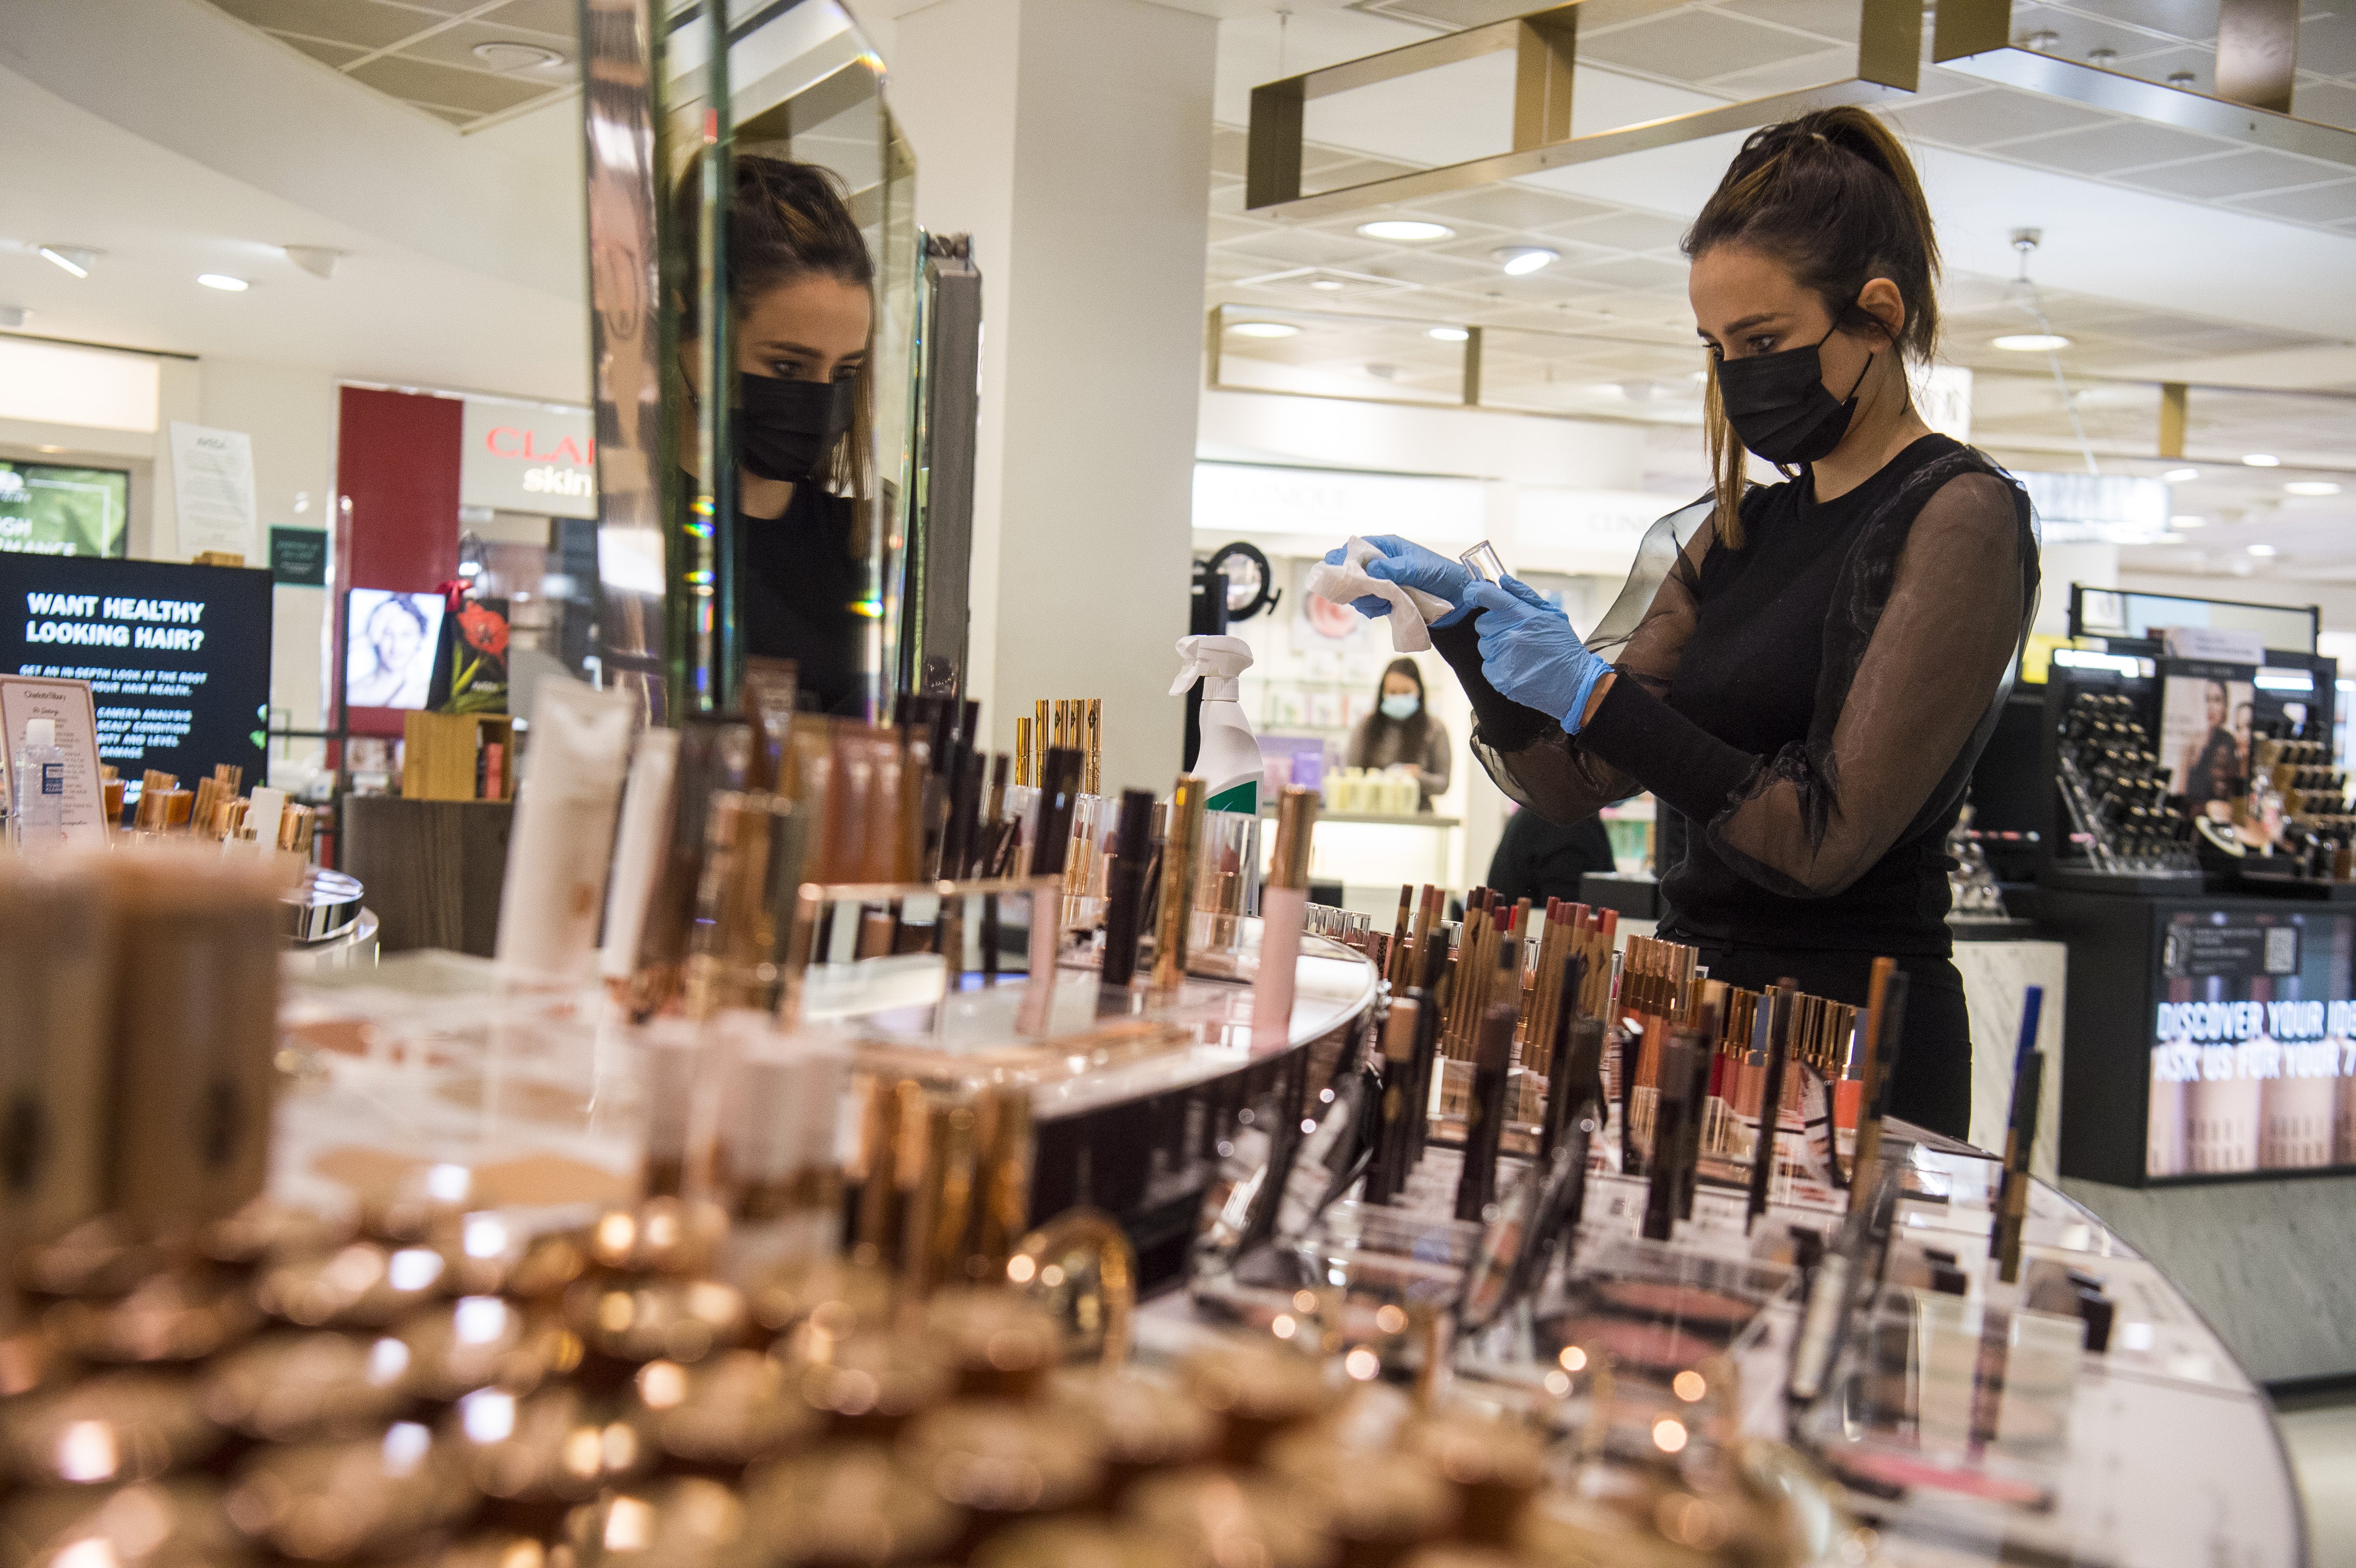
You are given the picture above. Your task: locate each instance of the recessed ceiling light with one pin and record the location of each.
(517, 56)
(2263, 460)
(223, 281)
(2312, 487)
(1410, 229)
(1263, 329)
(75, 259)
(2262, 550)
(2181, 475)
(2031, 342)
(14, 316)
(1520, 261)
(1330, 286)
(1448, 333)
(2188, 522)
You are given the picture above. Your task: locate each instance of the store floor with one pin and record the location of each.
(2321, 1437)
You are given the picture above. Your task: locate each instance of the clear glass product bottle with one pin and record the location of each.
(39, 819)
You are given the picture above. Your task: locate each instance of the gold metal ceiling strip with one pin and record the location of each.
(2150, 100)
(1890, 46)
(1689, 127)
(2256, 56)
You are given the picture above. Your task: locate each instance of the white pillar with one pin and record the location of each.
(1072, 139)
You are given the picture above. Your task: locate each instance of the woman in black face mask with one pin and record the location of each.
(1806, 671)
(800, 286)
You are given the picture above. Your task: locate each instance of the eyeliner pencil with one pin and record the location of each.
(1493, 1053)
(1394, 1137)
(1885, 1022)
(2019, 1137)
(1770, 1097)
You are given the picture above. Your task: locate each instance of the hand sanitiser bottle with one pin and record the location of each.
(1230, 757)
(41, 778)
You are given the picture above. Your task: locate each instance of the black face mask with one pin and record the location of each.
(786, 430)
(1778, 405)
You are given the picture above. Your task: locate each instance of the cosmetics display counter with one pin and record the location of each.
(1369, 1373)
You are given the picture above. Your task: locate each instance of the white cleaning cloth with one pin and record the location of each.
(1216, 662)
(1411, 608)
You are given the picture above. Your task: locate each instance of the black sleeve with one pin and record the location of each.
(1678, 761)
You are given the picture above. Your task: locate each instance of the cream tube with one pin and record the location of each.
(263, 811)
(638, 850)
(194, 996)
(563, 822)
(1283, 904)
(56, 1073)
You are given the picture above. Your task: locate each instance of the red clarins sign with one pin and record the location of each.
(524, 457)
(507, 441)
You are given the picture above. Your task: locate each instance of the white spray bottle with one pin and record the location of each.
(1230, 757)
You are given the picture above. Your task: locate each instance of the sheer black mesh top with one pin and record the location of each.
(1813, 701)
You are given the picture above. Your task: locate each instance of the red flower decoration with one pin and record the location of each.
(486, 630)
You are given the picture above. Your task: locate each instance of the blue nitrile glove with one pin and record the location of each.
(1411, 565)
(1530, 652)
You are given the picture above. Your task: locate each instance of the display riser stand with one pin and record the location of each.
(2267, 1255)
(2268, 1263)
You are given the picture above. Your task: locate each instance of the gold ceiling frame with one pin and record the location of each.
(2257, 51)
(1545, 44)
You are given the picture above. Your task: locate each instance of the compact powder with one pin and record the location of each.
(558, 1446)
(1003, 1345)
(1653, 1347)
(265, 1230)
(1221, 1516)
(116, 1426)
(727, 1412)
(327, 1502)
(1891, 1474)
(1689, 1305)
(685, 1522)
(155, 1524)
(366, 1284)
(998, 1457)
(295, 1386)
(850, 1505)
(869, 1382)
(1141, 1421)
(477, 1341)
(657, 1319)
(101, 1257)
(176, 1317)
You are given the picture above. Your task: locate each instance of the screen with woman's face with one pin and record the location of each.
(388, 653)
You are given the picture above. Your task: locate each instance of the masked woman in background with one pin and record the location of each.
(1808, 670)
(1402, 732)
(800, 289)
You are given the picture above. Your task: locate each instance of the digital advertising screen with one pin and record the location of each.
(178, 657)
(389, 646)
(48, 510)
(2254, 1054)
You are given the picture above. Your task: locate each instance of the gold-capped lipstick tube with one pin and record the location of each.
(1181, 843)
(1094, 785)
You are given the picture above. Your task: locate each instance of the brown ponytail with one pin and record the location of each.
(1833, 196)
